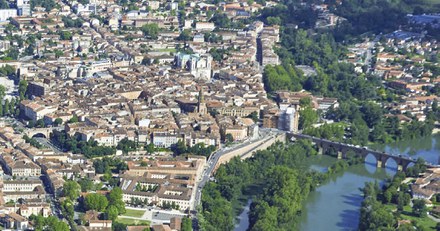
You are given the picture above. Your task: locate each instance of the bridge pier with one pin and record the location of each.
(323, 145)
(379, 164)
(383, 161)
(320, 150)
(339, 155)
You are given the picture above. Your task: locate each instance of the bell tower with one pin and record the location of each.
(201, 105)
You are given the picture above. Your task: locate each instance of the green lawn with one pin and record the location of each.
(133, 213)
(406, 214)
(128, 221)
(173, 50)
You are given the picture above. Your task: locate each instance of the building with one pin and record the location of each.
(165, 139)
(21, 185)
(288, 119)
(201, 105)
(23, 7)
(13, 221)
(162, 182)
(5, 14)
(205, 26)
(198, 65)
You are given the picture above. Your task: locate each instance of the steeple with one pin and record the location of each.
(201, 97)
(201, 105)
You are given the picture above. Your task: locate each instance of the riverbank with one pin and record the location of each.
(397, 207)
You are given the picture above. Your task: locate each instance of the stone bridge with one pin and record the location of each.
(342, 149)
(249, 150)
(43, 132)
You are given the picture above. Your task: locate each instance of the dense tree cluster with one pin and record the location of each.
(32, 142)
(127, 145)
(51, 223)
(150, 30)
(282, 77)
(376, 216)
(221, 20)
(112, 204)
(69, 22)
(368, 116)
(199, 149)
(71, 190)
(378, 15)
(89, 148)
(47, 4)
(186, 224)
(108, 164)
(334, 131)
(282, 180)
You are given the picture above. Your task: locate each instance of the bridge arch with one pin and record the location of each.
(391, 163)
(39, 135)
(370, 158)
(39, 132)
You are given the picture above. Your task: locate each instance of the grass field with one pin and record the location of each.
(133, 213)
(128, 221)
(407, 214)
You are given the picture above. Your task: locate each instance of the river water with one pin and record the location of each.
(335, 205)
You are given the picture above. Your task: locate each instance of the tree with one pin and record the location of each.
(1, 109)
(179, 148)
(71, 190)
(254, 116)
(419, 208)
(307, 117)
(186, 224)
(4, 4)
(127, 145)
(65, 35)
(40, 123)
(150, 30)
(68, 209)
(111, 212)
(57, 122)
(185, 35)
(2, 92)
(86, 184)
(372, 113)
(74, 119)
(387, 196)
(229, 138)
(150, 148)
(96, 202)
(273, 20)
(305, 102)
(115, 199)
(374, 216)
(22, 88)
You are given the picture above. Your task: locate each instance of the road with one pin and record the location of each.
(213, 159)
(369, 55)
(45, 142)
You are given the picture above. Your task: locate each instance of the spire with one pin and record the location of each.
(201, 106)
(201, 97)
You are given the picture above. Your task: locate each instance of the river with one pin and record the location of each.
(335, 205)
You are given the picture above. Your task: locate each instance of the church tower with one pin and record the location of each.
(201, 105)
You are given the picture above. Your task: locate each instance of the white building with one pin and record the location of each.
(288, 119)
(198, 65)
(205, 26)
(5, 14)
(165, 140)
(23, 7)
